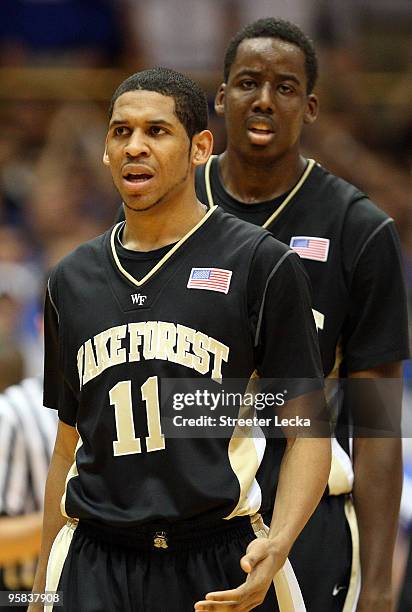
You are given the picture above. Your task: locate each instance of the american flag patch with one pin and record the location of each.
(309, 247)
(211, 279)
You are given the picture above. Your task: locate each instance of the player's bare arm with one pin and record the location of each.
(299, 490)
(264, 112)
(62, 459)
(377, 491)
(135, 483)
(298, 494)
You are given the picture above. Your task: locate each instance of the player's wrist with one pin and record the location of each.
(377, 601)
(279, 547)
(376, 597)
(377, 580)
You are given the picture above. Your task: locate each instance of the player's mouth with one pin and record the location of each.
(136, 179)
(260, 130)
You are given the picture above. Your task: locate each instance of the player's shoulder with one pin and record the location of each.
(342, 189)
(360, 211)
(235, 231)
(84, 258)
(239, 236)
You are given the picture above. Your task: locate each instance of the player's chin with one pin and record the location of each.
(140, 206)
(264, 153)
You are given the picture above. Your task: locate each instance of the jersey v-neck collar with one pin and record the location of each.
(163, 260)
(139, 256)
(288, 198)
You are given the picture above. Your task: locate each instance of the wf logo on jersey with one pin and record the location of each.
(309, 247)
(138, 299)
(211, 279)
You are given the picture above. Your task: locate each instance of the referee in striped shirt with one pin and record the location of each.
(27, 435)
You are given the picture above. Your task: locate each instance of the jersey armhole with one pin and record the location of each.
(52, 301)
(262, 305)
(368, 241)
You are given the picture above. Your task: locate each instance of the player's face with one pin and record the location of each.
(264, 102)
(147, 149)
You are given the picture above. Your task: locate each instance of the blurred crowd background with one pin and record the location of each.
(60, 61)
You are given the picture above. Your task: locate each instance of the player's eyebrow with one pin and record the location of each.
(286, 76)
(253, 72)
(160, 121)
(247, 72)
(117, 122)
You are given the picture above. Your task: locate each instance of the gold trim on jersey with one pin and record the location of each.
(340, 482)
(57, 558)
(207, 181)
(341, 474)
(72, 473)
(164, 259)
(288, 593)
(352, 595)
(245, 451)
(341, 471)
(286, 201)
(308, 170)
(245, 459)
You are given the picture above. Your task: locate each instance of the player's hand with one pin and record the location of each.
(261, 562)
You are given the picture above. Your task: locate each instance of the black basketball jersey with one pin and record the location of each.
(226, 300)
(351, 252)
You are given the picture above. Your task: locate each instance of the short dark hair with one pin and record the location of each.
(190, 100)
(270, 27)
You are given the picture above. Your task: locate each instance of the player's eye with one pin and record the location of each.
(156, 130)
(285, 89)
(247, 84)
(120, 130)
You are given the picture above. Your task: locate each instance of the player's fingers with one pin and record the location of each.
(241, 599)
(255, 553)
(234, 600)
(220, 606)
(247, 563)
(232, 595)
(220, 600)
(226, 606)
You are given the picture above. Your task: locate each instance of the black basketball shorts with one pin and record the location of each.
(155, 569)
(325, 557)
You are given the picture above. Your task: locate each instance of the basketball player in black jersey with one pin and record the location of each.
(351, 252)
(142, 521)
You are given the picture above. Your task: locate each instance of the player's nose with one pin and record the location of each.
(137, 144)
(264, 101)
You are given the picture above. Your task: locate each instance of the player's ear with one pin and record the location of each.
(312, 108)
(202, 147)
(106, 160)
(220, 100)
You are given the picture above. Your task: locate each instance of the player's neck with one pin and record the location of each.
(165, 223)
(252, 181)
